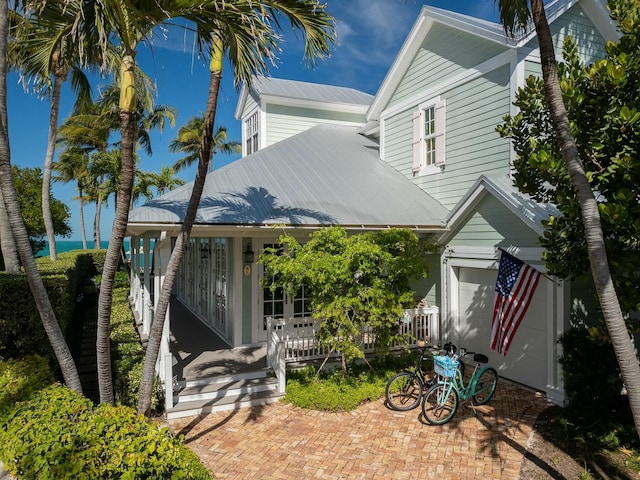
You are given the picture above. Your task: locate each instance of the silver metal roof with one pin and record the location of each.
(327, 175)
(309, 91)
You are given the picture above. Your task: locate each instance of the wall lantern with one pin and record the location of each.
(248, 254)
(204, 251)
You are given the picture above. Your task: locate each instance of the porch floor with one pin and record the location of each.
(198, 352)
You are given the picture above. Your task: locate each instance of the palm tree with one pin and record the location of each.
(248, 29)
(90, 128)
(190, 137)
(40, 49)
(73, 165)
(49, 321)
(163, 182)
(247, 44)
(515, 16)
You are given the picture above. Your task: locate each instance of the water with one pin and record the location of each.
(67, 245)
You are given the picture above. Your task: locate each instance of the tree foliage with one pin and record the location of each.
(603, 104)
(351, 281)
(28, 182)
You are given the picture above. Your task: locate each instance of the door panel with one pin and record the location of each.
(526, 361)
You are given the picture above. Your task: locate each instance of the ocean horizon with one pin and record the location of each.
(68, 245)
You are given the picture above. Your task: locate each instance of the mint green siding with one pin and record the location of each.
(575, 23)
(444, 53)
(493, 224)
(473, 147)
(286, 121)
(532, 68)
(250, 105)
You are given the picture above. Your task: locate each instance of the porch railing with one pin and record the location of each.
(297, 339)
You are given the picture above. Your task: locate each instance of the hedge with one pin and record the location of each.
(57, 433)
(21, 330)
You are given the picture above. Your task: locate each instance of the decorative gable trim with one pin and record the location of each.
(530, 212)
(595, 9)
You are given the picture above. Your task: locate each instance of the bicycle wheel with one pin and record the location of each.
(485, 386)
(440, 404)
(403, 391)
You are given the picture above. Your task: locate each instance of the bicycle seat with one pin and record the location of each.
(480, 358)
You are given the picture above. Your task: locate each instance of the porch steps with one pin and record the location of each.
(224, 393)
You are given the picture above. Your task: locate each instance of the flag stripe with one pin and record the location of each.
(523, 301)
(515, 286)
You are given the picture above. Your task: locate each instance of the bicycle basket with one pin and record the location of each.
(445, 366)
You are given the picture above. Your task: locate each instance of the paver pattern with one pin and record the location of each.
(280, 441)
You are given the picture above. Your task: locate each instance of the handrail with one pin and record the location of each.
(300, 340)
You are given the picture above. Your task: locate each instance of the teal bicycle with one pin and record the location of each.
(441, 401)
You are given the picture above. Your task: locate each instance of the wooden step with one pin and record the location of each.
(226, 403)
(232, 387)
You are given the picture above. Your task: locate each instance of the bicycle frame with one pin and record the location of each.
(465, 392)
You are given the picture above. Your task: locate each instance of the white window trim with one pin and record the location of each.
(419, 167)
(245, 132)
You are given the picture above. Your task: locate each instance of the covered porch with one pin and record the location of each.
(201, 373)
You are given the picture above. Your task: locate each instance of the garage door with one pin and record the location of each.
(526, 361)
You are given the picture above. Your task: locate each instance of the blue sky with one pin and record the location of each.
(370, 34)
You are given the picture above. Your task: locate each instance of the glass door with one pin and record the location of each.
(276, 304)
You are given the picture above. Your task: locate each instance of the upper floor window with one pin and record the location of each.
(428, 138)
(251, 126)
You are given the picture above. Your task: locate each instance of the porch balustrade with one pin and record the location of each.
(298, 337)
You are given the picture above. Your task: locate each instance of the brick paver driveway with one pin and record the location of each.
(280, 441)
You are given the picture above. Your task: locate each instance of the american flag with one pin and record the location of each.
(515, 287)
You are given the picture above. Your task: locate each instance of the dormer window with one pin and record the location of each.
(251, 130)
(428, 138)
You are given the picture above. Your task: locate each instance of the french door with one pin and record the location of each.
(277, 304)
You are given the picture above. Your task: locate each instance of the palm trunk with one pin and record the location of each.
(123, 199)
(47, 315)
(605, 289)
(97, 241)
(83, 233)
(7, 243)
(155, 335)
(48, 165)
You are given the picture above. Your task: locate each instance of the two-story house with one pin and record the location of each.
(422, 154)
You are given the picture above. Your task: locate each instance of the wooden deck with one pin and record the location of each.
(198, 352)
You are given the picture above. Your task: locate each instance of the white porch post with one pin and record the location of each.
(132, 271)
(557, 312)
(146, 256)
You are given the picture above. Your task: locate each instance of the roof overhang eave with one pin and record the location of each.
(138, 229)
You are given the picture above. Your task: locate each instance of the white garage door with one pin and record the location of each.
(526, 361)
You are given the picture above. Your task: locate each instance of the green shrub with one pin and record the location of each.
(21, 330)
(81, 442)
(331, 391)
(19, 379)
(591, 374)
(127, 353)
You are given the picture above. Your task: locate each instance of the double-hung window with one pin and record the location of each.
(252, 130)
(428, 137)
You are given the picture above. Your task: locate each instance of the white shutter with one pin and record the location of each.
(440, 132)
(418, 132)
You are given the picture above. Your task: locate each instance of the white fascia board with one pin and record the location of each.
(241, 101)
(595, 10)
(472, 198)
(400, 65)
(481, 28)
(552, 11)
(455, 81)
(600, 17)
(370, 129)
(428, 16)
(314, 104)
